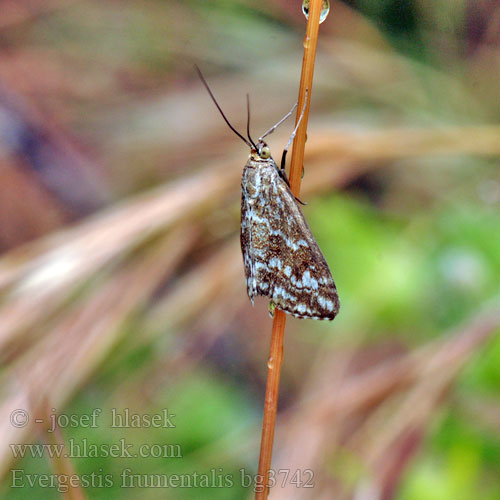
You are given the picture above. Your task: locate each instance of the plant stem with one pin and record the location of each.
(278, 332)
(270, 404)
(306, 81)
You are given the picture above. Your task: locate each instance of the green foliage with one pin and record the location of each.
(201, 410)
(465, 464)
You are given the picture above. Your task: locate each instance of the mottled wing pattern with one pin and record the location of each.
(282, 260)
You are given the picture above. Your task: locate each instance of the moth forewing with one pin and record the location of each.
(281, 257)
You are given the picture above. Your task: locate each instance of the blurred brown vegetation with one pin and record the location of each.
(119, 214)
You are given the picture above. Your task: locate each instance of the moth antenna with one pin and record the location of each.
(274, 127)
(202, 78)
(248, 122)
(292, 137)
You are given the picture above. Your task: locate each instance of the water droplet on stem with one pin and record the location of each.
(325, 9)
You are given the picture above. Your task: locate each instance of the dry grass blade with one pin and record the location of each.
(62, 464)
(38, 282)
(396, 398)
(82, 338)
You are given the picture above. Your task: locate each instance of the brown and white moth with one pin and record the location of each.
(281, 257)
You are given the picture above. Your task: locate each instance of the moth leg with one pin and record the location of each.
(300, 201)
(274, 127)
(292, 137)
(282, 171)
(282, 174)
(283, 160)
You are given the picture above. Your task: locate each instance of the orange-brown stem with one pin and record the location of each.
(278, 332)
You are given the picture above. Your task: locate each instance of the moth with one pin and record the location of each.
(281, 257)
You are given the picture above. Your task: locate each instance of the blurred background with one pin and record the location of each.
(121, 277)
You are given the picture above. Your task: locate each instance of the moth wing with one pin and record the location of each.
(283, 260)
(303, 284)
(246, 247)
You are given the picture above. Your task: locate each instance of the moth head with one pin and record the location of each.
(260, 151)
